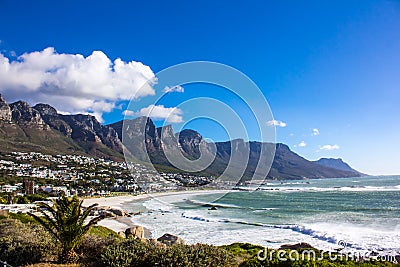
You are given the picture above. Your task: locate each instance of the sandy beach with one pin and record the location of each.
(120, 223)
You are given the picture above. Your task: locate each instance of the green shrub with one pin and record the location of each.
(192, 256)
(102, 231)
(133, 252)
(22, 244)
(129, 252)
(93, 246)
(243, 249)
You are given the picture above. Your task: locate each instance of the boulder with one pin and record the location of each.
(122, 234)
(4, 213)
(118, 212)
(135, 232)
(169, 239)
(107, 214)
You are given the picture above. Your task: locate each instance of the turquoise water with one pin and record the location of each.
(362, 212)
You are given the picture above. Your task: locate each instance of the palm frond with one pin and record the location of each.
(66, 221)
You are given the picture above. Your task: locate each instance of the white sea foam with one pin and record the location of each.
(370, 188)
(157, 205)
(196, 226)
(336, 188)
(359, 226)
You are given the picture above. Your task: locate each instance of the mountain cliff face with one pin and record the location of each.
(42, 129)
(256, 156)
(22, 128)
(81, 128)
(5, 111)
(189, 141)
(23, 114)
(140, 137)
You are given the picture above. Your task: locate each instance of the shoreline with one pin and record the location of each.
(121, 223)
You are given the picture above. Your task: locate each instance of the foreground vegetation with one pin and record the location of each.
(65, 221)
(26, 240)
(29, 243)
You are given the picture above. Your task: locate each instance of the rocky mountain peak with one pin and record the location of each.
(282, 147)
(46, 110)
(189, 134)
(165, 132)
(190, 141)
(22, 113)
(5, 111)
(2, 100)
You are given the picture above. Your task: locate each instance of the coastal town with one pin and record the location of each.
(26, 174)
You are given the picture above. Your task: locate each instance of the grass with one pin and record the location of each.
(102, 231)
(21, 217)
(97, 230)
(243, 250)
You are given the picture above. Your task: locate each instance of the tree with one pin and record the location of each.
(65, 220)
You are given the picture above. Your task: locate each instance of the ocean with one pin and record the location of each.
(362, 214)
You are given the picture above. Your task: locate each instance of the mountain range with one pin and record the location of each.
(42, 129)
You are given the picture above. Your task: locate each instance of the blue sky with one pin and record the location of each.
(332, 66)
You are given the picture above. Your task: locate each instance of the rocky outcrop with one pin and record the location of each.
(52, 118)
(42, 129)
(189, 141)
(122, 234)
(139, 137)
(117, 212)
(108, 211)
(167, 137)
(169, 239)
(135, 232)
(84, 129)
(5, 111)
(46, 110)
(23, 114)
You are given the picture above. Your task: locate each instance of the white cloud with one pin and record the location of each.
(276, 123)
(329, 147)
(159, 112)
(175, 88)
(302, 144)
(73, 83)
(129, 113)
(315, 132)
